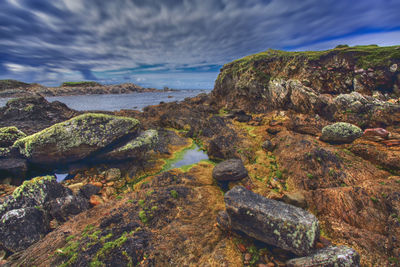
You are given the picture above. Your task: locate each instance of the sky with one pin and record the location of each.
(175, 43)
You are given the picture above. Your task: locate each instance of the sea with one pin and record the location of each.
(115, 102)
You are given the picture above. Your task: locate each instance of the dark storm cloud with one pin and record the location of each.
(46, 41)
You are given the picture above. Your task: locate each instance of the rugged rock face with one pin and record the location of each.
(271, 221)
(229, 170)
(75, 139)
(310, 81)
(32, 114)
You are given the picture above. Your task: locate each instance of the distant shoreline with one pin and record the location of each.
(12, 89)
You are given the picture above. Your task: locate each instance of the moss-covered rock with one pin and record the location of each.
(135, 148)
(341, 132)
(76, 138)
(8, 135)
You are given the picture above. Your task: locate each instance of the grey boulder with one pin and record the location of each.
(273, 222)
(341, 132)
(229, 170)
(341, 256)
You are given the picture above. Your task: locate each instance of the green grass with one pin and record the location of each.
(81, 83)
(174, 194)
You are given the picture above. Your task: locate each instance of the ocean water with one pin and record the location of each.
(117, 102)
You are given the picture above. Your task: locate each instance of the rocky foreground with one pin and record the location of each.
(304, 168)
(12, 88)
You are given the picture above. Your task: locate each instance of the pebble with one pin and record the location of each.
(96, 200)
(247, 257)
(98, 184)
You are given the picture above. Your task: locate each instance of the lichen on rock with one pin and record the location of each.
(8, 135)
(76, 138)
(341, 132)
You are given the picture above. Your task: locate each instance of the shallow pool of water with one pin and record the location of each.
(190, 156)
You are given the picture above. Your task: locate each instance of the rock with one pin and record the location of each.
(8, 135)
(35, 113)
(95, 200)
(13, 166)
(34, 193)
(331, 256)
(136, 148)
(393, 68)
(229, 170)
(20, 228)
(340, 132)
(62, 208)
(378, 132)
(76, 138)
(88, 190)
(75, 187)
(268, 145)
(271, 221)
(296, 199)
(223, 220)
(113, 174)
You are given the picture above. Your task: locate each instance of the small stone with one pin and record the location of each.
(229, 170)
(110, 183)
(75, 187)
(113, 174)
(247, 257)
(98, 184)
(268, 146)
(96, 200)
(270, 264)
(379, 132)
(393, 68)
(295, 198)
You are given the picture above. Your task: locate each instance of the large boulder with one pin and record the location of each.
(229, 170)
(341, 256)
(76, 138)
(273, 222)
(341, 132)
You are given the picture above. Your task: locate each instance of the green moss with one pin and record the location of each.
(141, 203)
(143, 216)
(80, 84)
(147, 140)
(174, 194)
(76, 131)
(374, 199)
(8, 135)
(310, 176)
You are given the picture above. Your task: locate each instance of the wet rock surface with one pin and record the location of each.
(272, 222)
(341, 256)
(229, 170)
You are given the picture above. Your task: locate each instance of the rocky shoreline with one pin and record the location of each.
(304, 170)
(11, 88)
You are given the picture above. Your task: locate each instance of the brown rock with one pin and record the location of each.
(96, 200)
